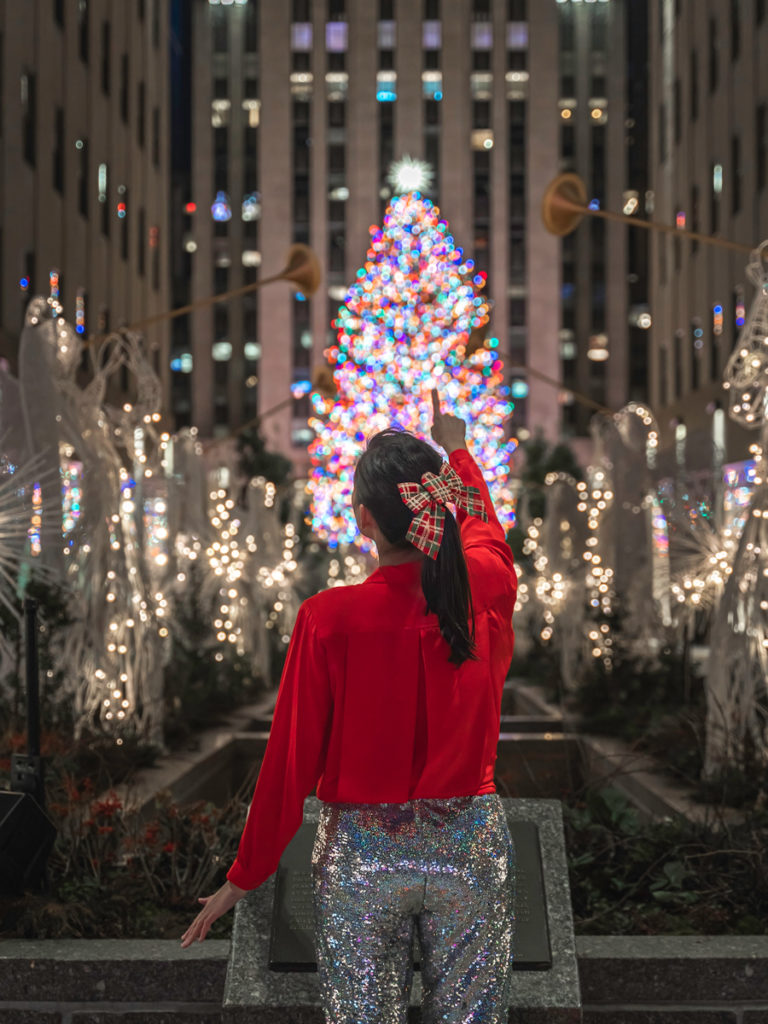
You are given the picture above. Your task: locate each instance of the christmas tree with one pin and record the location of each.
(405, 328)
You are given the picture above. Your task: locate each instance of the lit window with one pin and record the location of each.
(221, 351)
(336, 83)
(252, 350)
(598, 110)
(482, 35)
(432, 85)
(431, 35)
(386, 86)
(482, 138)
(302, 435)
(481, 83)
(301, 36)
(517, 85)
(251, 208)
(336, 36)
(220, 209)
(387, 35)
(598, 348)
(517, 35)
(339, 195)
(253, 112)
(102, 183)
(251, 258)
(301, 85)
(220, 113)
(717, 178)
(182, 363)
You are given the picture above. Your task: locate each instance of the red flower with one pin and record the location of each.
(107, 807)
(169, 847)
(104, 829)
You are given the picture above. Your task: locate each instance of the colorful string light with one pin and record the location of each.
(404, 328)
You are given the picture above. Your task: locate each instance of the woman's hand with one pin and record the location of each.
(448, 431)
(213, 907)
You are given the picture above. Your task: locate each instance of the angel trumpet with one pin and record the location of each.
(302, 268)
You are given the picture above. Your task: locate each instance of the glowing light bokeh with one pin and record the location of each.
(404, 329)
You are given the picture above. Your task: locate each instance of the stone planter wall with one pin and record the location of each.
(624, 980)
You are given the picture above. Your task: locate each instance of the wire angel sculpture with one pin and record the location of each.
(737, 694)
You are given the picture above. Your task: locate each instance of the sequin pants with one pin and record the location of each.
(443, 866)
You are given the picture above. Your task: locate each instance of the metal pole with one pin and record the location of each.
(33, 678)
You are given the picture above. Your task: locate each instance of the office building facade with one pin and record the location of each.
(709, 169)
(84, 167)
(298, 111)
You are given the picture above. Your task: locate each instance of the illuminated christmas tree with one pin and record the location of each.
(405, 328)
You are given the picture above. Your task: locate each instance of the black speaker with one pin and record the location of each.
(27, 836)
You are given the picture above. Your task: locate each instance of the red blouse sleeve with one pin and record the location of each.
(293, 760)
(475, 532)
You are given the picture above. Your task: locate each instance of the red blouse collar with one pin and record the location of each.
(403, 572)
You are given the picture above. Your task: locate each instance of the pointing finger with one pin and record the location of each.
(435, 403)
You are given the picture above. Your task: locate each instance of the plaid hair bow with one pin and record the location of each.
(428, 500)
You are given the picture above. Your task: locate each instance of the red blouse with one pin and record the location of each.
(370, 709)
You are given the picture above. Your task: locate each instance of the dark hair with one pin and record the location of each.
(394, 456)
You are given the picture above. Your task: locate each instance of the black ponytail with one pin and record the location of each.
(394, 456)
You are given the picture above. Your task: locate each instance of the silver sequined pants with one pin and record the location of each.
(445, 867)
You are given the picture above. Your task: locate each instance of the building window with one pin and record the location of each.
(82, 176)
(156, 136)
(220, 159)
(106, 219)
(251, 28)
(567, 29)
(58, 149)
(678, 111)
(663, 394)
(155, 247)
(761, 145)
(697, 343)
(694, 85)
(716, 177)
(156, 23)
(58, 12)
(123, 205)
(678, 367)
(106, 47)
(735, 174)
(663, 133)
(219, 26)
(599, 21)
(694, 215)
(29, 116)
(141, 122)
(714, 67)
(124, 87)
(760, 6)
(141, 243)
(83, 28)
(735, 30)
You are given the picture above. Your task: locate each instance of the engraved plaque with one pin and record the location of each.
(291, 946)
